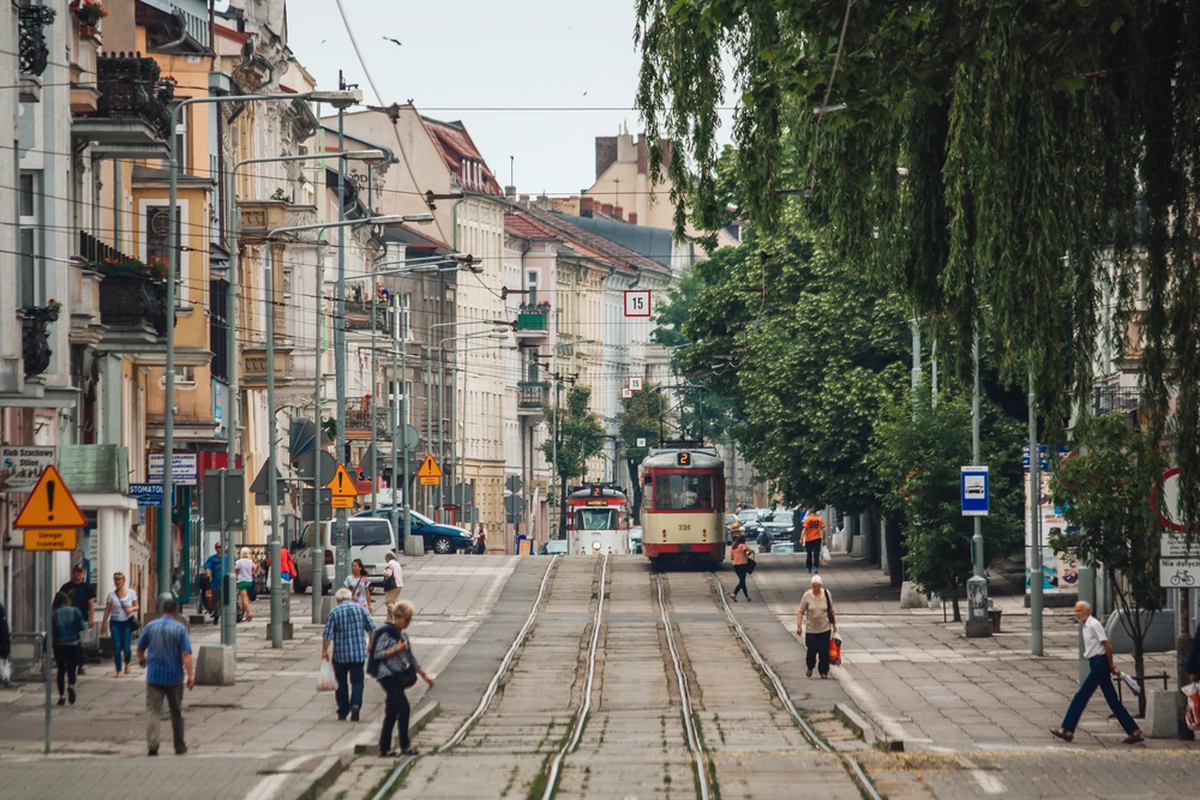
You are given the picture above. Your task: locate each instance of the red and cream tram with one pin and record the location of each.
(683, 514)
(597, 522)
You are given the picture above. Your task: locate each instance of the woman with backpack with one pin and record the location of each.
(394, 665)
(68, 624)
(816, 621)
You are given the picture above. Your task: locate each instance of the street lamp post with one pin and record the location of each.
(342, 99)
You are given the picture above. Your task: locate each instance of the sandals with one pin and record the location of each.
(1066, 736)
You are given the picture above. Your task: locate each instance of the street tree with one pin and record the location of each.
(640, 417)
(1105, 488)
(579, 436)
(1032, 166)
(917, 454)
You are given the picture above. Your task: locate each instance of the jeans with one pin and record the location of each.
(812, 555)
(817, 645)
(348, 697)
(122, 636)
(66, 656)
(155, 692)
(395, 713)
(1098, 677)
(740, 571)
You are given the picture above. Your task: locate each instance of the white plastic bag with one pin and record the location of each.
(1129, 682)
(5, 671)
(1192, 692)
(826, 557)
(326, 680)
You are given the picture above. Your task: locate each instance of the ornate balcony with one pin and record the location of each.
(254, 366)
(35, 337)
(132, 119)
(33, 53)
(533, 321)
(358, 419)
(132, 297)
(532, 397)
(359, 317)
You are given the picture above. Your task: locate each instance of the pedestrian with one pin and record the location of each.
(814, 538)
(5, 648)
(398, 670)
(166, 651)
(244, 567)
(741, 559)
(68, 625)
(216, 567)
(287, 567)
(348, 623)
(393, 582)
(359, 584)
(120, 615)
(764, 541)
(81, 595)
(481, 540)
(1191, 665)
(1098, 651)
(817, 623)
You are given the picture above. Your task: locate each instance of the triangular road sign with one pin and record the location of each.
(342, 484)
(430, 468)
(50, 505)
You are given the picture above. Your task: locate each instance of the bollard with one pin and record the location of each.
(978, 624)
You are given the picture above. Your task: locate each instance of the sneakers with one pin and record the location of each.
(354, 714)
(153, 752)
(71, 695)
(62, 701)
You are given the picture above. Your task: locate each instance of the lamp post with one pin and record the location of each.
(340, 99)
(272, 427)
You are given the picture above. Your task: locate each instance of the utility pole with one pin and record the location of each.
(273, 544)
(1035, 526)
(318, 545)
(977, 537)
(342, 540)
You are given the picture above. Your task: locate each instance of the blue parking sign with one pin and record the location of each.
(974, 491)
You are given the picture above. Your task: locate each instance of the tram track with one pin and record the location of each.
(688, 717)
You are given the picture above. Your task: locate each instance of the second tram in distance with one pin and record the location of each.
(597, 522)
(683, 507)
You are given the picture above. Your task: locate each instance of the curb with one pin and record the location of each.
(851, 719)
(323, 777)
(367, 743)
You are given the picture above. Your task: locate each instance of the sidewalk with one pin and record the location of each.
(921, 681)
(272, 731)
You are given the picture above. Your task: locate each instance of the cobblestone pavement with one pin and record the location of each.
(269, 735)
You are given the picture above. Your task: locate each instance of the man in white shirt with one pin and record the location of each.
(1098, 651)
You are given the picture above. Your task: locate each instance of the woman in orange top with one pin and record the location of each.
(741, 556)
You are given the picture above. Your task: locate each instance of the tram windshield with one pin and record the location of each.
(683, 492)
(596, 519)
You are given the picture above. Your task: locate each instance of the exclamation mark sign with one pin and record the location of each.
(339, 480)
(50, 499)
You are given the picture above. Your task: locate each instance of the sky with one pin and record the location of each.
(457, 57)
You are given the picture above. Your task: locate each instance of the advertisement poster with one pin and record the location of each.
(1059, 569)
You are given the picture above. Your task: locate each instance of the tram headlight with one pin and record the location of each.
(596, 546)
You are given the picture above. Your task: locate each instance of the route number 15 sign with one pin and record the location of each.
(637, 303)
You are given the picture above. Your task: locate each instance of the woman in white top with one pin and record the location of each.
(120, 614)
(244, 567)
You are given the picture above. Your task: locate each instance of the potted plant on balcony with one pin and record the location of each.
(35, 339)
(89, 14)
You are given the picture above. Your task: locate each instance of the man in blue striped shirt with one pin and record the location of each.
(345, 628)
(166, 651)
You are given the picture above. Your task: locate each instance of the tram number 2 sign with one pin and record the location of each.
(637, 303)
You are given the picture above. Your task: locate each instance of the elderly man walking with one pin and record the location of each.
(166, 651)
(347, 625)
(1098, 651)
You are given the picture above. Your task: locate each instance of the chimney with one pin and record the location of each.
(606, 209)
(510, 192)
(633, 218)
(525, 199)
(543, 202)
(585, 206)
(618, 212)
(606, 153)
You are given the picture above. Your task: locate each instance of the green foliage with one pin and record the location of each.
(994, 160)
(639, 418)
(580, 435)
(917, 457)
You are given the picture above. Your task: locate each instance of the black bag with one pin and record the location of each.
(134, 624)
(389, 583)
(750, 562)
(408, 676)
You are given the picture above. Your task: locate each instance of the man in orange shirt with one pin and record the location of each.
(813, 529)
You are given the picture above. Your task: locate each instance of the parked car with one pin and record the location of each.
(439, 538)
(635, 540)
(370, 540)
(554, 547)
(779, 524)
(784, 546)
(749, 517)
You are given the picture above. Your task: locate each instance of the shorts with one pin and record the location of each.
(245, 586)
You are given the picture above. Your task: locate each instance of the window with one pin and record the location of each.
(395, 401)
(158, 224)
(32, 278)
(370, 532)
(678, 492)
(404, 317)
(596, 519)
(218, 328)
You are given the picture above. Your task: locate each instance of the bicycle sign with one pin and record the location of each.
(1178, 573)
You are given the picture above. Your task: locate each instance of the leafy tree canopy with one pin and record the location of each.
(995, 160)
(579, 434)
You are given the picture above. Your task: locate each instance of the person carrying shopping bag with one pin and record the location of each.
(817, 623)
(120, 616)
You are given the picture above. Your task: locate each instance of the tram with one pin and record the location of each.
(683, 515)
(597, 521)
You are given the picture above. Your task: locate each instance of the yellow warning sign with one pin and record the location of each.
(51, 538)
(342, 489)
(50, 505)
(430, 468)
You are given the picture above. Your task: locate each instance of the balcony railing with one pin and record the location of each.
(533, 318)
(34, 55)
(132, 295)
(359, 317)
(532, 395)
(35, 338)
(131, 87)
(1106, 399)
(358, 419)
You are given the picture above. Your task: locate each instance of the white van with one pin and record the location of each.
(371, 538)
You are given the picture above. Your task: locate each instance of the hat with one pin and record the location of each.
(817, 579)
